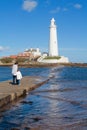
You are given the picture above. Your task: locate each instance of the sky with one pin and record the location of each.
(25, 24)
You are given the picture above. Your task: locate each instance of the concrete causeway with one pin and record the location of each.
(9, 92)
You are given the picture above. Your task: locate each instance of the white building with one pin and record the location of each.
(34, 51)
(53, 47)
(53, 43)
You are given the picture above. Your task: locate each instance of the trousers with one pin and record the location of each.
(14, 79)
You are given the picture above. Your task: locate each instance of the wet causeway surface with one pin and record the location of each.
(60, 104)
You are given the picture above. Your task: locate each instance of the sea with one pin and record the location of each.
(60, 104)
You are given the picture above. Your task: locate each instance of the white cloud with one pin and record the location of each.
(64, 9)
(55, 10)
(29, 5)
(3, 48)
(58, 9)
(77, 6)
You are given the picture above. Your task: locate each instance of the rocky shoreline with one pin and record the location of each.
(36, 64)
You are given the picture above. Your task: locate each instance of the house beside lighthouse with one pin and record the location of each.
(53, 54)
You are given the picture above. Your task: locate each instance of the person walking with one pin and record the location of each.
(19, 77)
(14, 72)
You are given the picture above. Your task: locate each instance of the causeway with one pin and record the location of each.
(10, 92)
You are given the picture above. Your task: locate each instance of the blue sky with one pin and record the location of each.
(25, 24)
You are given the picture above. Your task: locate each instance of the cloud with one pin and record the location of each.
(55, 10)
(29, 5)
(77, 6)
(58, 9)
(64, 9)
(3, 48)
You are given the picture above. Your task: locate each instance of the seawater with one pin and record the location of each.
(60, 104)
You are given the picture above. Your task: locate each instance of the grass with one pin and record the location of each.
(52, 57)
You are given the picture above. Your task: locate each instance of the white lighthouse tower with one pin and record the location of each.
(53, 48)
(53, 44)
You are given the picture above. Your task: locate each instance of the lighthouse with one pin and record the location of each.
(53, 43)
(53, 48)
